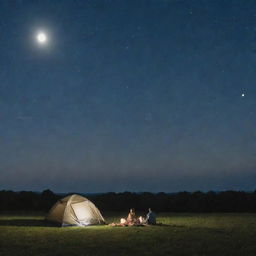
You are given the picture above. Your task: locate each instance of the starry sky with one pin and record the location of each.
(128, 95)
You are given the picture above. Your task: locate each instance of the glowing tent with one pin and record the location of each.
(75, 210)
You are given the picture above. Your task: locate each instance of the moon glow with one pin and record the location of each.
(41, 38)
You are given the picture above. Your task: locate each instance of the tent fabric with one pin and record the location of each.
(75, 210)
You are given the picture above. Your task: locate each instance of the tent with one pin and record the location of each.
(75, 210)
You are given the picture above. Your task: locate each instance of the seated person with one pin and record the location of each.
(151, 217)
(131, 219)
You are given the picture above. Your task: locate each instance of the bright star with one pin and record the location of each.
(243, 94)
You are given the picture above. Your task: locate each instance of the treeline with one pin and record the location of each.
(227, 201)
(27, 200)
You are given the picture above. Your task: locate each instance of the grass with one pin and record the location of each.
(181, 234)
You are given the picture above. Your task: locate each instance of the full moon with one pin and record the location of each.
(41, 38)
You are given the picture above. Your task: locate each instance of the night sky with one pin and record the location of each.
(139, 95)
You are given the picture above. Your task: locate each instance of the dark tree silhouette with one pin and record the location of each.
(226, 201)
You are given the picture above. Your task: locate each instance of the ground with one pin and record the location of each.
(180, 234)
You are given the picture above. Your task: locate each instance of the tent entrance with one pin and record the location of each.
(83, 213)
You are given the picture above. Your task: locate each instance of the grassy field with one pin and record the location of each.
(181, 234)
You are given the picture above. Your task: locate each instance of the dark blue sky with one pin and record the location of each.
(128, 95)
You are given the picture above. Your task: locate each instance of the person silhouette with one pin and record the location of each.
(151, 217)
(131, 219)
